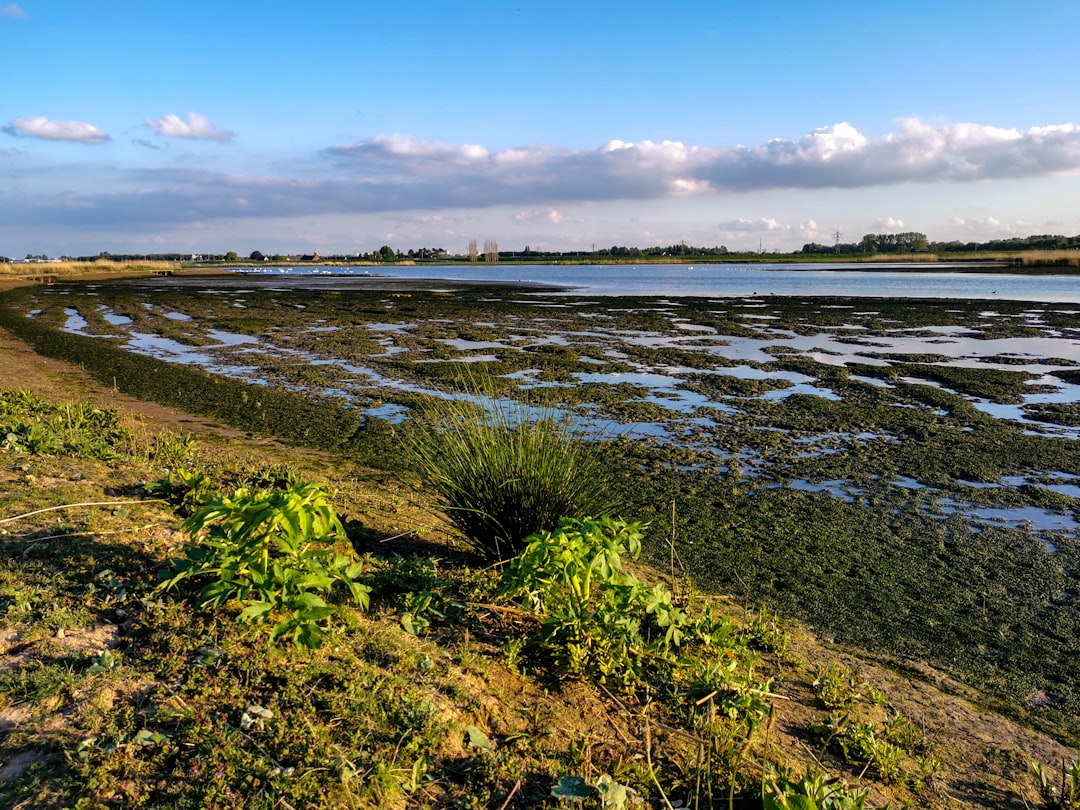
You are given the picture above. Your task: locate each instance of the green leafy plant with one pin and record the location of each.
(838, 687)
(866, 743)
(185, 490)
(504, 471)
(417, 610)
(173, 447)
(600, 621)
(591, 611)
(1063, 795)
(31, 425)
(609, 794)
(274, 552)
(765, 632)
(810, 791)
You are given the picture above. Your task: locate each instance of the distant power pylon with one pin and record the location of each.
(837, 237)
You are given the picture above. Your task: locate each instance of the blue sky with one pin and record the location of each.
(137, 126)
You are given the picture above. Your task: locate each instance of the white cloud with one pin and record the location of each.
(13, 10)
(744, 226)
(836, 156)
(686, 185)
(391, 150)
(549, 217)
(197, 127)
(540, 185)
(422, 219)
(990, 227)
(41, 127)
(888, 224)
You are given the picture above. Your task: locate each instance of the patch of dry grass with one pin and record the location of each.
(41, 269)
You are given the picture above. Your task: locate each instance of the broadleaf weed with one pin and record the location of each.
(274, 552)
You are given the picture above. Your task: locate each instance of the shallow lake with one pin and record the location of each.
(877, 280)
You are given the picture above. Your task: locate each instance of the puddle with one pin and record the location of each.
(112, 318)
(1035, 518)
(75, 322)
(839, 488)
(779, 395)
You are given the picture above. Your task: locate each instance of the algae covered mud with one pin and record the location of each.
(902, 473)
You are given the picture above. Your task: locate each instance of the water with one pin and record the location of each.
(726, 280)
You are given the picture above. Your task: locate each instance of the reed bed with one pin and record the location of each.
(67, 269)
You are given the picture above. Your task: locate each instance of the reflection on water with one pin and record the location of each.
(727, 280)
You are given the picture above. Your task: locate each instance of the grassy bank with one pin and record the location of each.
(115, 694)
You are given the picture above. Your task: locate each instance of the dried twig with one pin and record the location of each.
(515, 789)
(77, 505)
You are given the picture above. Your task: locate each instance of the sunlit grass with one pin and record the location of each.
(505, 471)
(38, 269)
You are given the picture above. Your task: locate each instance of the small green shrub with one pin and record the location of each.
(880, 748)
(274, 552)
(600, 622)
(837, 687)
(185, 490)
(591, 611)
(31, 425)
(504, 472)
(811, 791)
(172, 448)
(764, 632)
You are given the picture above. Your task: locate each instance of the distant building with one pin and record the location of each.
(257, 256)
(312, 258)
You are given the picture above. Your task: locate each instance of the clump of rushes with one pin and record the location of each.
(504, 470)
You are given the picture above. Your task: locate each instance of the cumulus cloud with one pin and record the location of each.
(399, 150)
(547, 217)
(741, 225)
(836, 156)
(397, 173)
(197, 127)
(888, 224)
(13, 10)
(991, 227)
(41, 127)
(422, 219)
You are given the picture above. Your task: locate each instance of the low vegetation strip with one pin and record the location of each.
(319, 423)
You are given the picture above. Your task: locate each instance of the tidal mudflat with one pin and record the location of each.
(903, 474)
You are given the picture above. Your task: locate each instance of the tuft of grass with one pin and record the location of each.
(505, 470)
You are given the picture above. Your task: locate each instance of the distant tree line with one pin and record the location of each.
(914, 242)
(870, 244)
